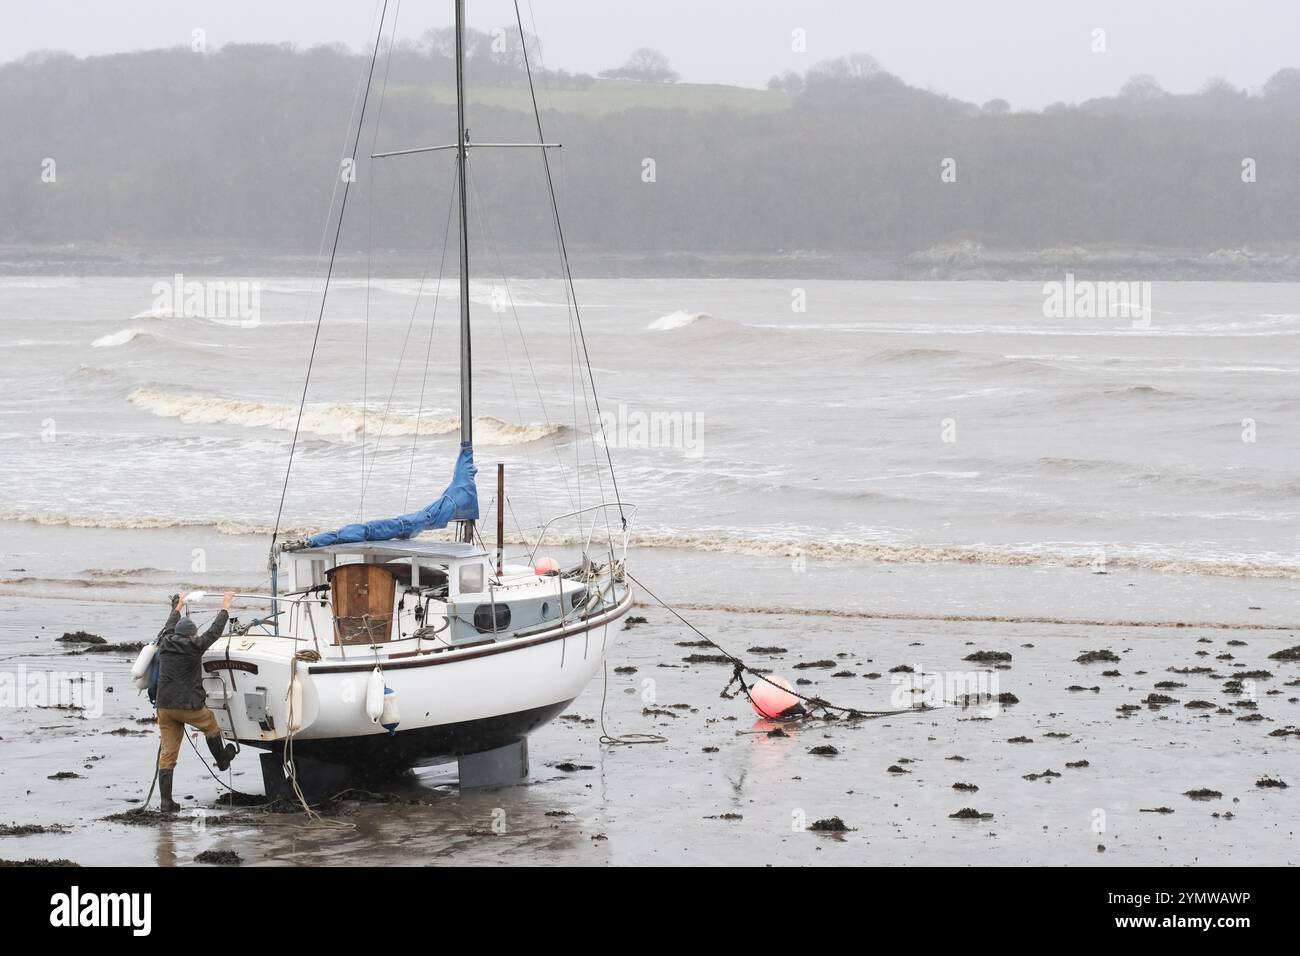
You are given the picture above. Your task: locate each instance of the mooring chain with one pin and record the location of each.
(740, 668)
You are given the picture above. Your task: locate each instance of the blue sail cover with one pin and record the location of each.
(458, 503)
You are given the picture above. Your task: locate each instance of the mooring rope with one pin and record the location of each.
(622, 740)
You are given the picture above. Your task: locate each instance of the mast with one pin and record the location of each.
(466, 391)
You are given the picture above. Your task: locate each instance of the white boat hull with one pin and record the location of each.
(452, 702)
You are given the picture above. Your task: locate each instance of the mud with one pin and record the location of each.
(1096, 657)
(80, 637)
(988, 657)
(830, 825)
(219, 858)
(1040, 776)
(967, 813)
(707, 659)
(38, 863)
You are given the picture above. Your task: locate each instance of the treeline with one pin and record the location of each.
(245, 145)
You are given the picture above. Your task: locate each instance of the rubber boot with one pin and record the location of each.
(222, 752)
(166, 803)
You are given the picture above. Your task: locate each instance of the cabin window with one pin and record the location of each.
(579, 598)
(546, 610)
(491, 618)
(471, 579)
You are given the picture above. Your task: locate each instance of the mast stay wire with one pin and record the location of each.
(406, 339)
(428, 350)
(372, 171)
(564, 257)
(481, 207)
(324, 237)
(320, 316)
(577, 343)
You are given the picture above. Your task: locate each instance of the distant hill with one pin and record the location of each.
(241, 149)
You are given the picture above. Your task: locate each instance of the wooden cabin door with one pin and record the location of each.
(363, 597)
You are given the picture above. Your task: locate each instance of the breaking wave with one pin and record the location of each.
(121, 337)
(146, 523)
(1001, 556)
(677, 320)
(856, 551)
(335, 421)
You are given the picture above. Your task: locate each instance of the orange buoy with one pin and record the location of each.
(546, 566)
(772, 697)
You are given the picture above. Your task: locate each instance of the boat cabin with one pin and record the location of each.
(444, 592)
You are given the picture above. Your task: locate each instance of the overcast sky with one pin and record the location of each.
(1030, 52)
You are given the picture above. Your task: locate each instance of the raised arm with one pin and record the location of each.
(178, 602)
(209, 637)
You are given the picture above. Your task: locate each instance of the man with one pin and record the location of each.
(181, 697)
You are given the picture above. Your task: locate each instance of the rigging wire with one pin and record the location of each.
(564, 256)
(481, 207)
(324, 232)
(320, 317)
(401, 359)
(428, 350)
(370, 248)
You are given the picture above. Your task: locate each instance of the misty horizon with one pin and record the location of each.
(1021, 52)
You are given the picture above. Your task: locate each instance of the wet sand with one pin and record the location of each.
(721, 790)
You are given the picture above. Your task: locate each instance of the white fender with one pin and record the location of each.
(392, 716)
(375, 696)
(140, 669)
(141, 683)
(294, 698)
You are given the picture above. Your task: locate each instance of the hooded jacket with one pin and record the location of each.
(180, 655)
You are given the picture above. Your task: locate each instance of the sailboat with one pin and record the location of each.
(382, 647)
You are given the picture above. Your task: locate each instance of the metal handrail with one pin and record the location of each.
(629, 511)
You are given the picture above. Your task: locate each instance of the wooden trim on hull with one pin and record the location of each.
(435, 658)
(409, 747)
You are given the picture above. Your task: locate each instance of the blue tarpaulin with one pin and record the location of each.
(458, 503)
